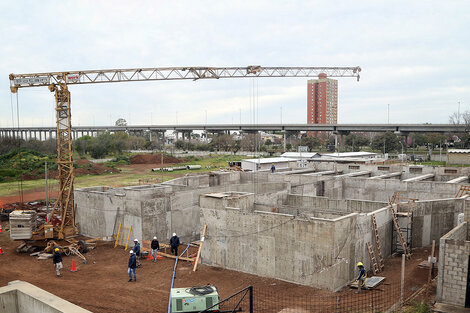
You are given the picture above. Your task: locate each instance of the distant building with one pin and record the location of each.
(322, 101)
(458, 156)
(264, 164)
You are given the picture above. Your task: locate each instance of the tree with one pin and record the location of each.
(310, 142)
(462, 119)
(121, 122)
(250, 141)
(179, 144)
(388, 142)
(82, 144)
(101, 145)
(356, 141)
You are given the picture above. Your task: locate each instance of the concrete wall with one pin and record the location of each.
(280, 246)
(159, 210)
(382, 190)
(432, 219)
(458, 158)
(454, 252)
(23, 297)
(309, 203)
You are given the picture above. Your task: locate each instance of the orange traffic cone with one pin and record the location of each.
(1, 250)
(74, 269)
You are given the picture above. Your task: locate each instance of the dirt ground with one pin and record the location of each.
(102, 284)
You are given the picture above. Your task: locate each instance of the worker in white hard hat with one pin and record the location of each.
(57, 260)
(361, 278)
(132, 265)
(174, 243)
(155, 245)
(136, 247)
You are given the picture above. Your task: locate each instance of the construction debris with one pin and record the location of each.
(371, 282)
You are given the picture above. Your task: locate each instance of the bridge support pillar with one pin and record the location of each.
(284, 141)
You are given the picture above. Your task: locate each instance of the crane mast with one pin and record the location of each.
(58, 83)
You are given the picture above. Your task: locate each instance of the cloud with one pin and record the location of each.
(415, 57)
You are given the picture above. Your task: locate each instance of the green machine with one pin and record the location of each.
(194, 299)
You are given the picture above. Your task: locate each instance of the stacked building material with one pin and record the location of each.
(22, 224)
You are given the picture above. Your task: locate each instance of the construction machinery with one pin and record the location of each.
(61, 224)
(194, 299)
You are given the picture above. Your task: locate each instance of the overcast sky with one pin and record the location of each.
(414, 55)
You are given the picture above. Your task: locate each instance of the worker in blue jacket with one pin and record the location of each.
(361, 278)
(132, 265)
(174, 243)
(136, 247)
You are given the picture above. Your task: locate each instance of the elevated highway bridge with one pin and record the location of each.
(42, 133)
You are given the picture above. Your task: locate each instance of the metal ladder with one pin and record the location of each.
(373, 260)
(406, 250)
(381, 264)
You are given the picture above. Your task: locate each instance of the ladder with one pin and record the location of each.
(406, 250)
(381, 264)
(464, 190)
(373, 261)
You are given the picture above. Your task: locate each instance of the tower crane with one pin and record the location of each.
(61, 224)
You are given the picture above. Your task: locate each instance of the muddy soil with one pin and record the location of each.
(102, 284)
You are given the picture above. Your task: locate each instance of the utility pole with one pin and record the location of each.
(47, 190)
(458, 114)
(388, 113)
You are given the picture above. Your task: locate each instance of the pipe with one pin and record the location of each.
(173, 277)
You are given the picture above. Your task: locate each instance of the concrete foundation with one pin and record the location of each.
(23, 297)
(302, 228)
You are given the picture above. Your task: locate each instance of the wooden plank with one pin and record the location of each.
(174, 257)
(200, 247)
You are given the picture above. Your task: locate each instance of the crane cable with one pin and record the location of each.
(18, 140)
(20, 182)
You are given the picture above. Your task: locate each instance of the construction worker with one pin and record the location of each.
(155, 247)
(57, 260)
(132, 265)
(136, 248)
(174, 243)
(361, 278)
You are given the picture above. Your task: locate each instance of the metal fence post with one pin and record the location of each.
(251, 298)
(402, 289)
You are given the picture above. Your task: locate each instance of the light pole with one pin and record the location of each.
(388, 113)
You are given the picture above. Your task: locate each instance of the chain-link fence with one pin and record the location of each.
(384, 298)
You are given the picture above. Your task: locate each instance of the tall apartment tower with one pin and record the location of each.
(322, 100)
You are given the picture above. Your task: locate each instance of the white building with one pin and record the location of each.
(266, 163)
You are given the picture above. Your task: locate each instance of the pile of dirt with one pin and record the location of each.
(86, 167)
(82, 167)
(155, 158)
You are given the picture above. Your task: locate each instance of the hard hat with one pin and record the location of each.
(360, 264)
(174, 234)
(155, 237)
(56, 249)
(136, 239)
(131, 252)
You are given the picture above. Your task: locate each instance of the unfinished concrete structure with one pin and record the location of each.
(453, 284)
(23, 297)
(309, 226)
